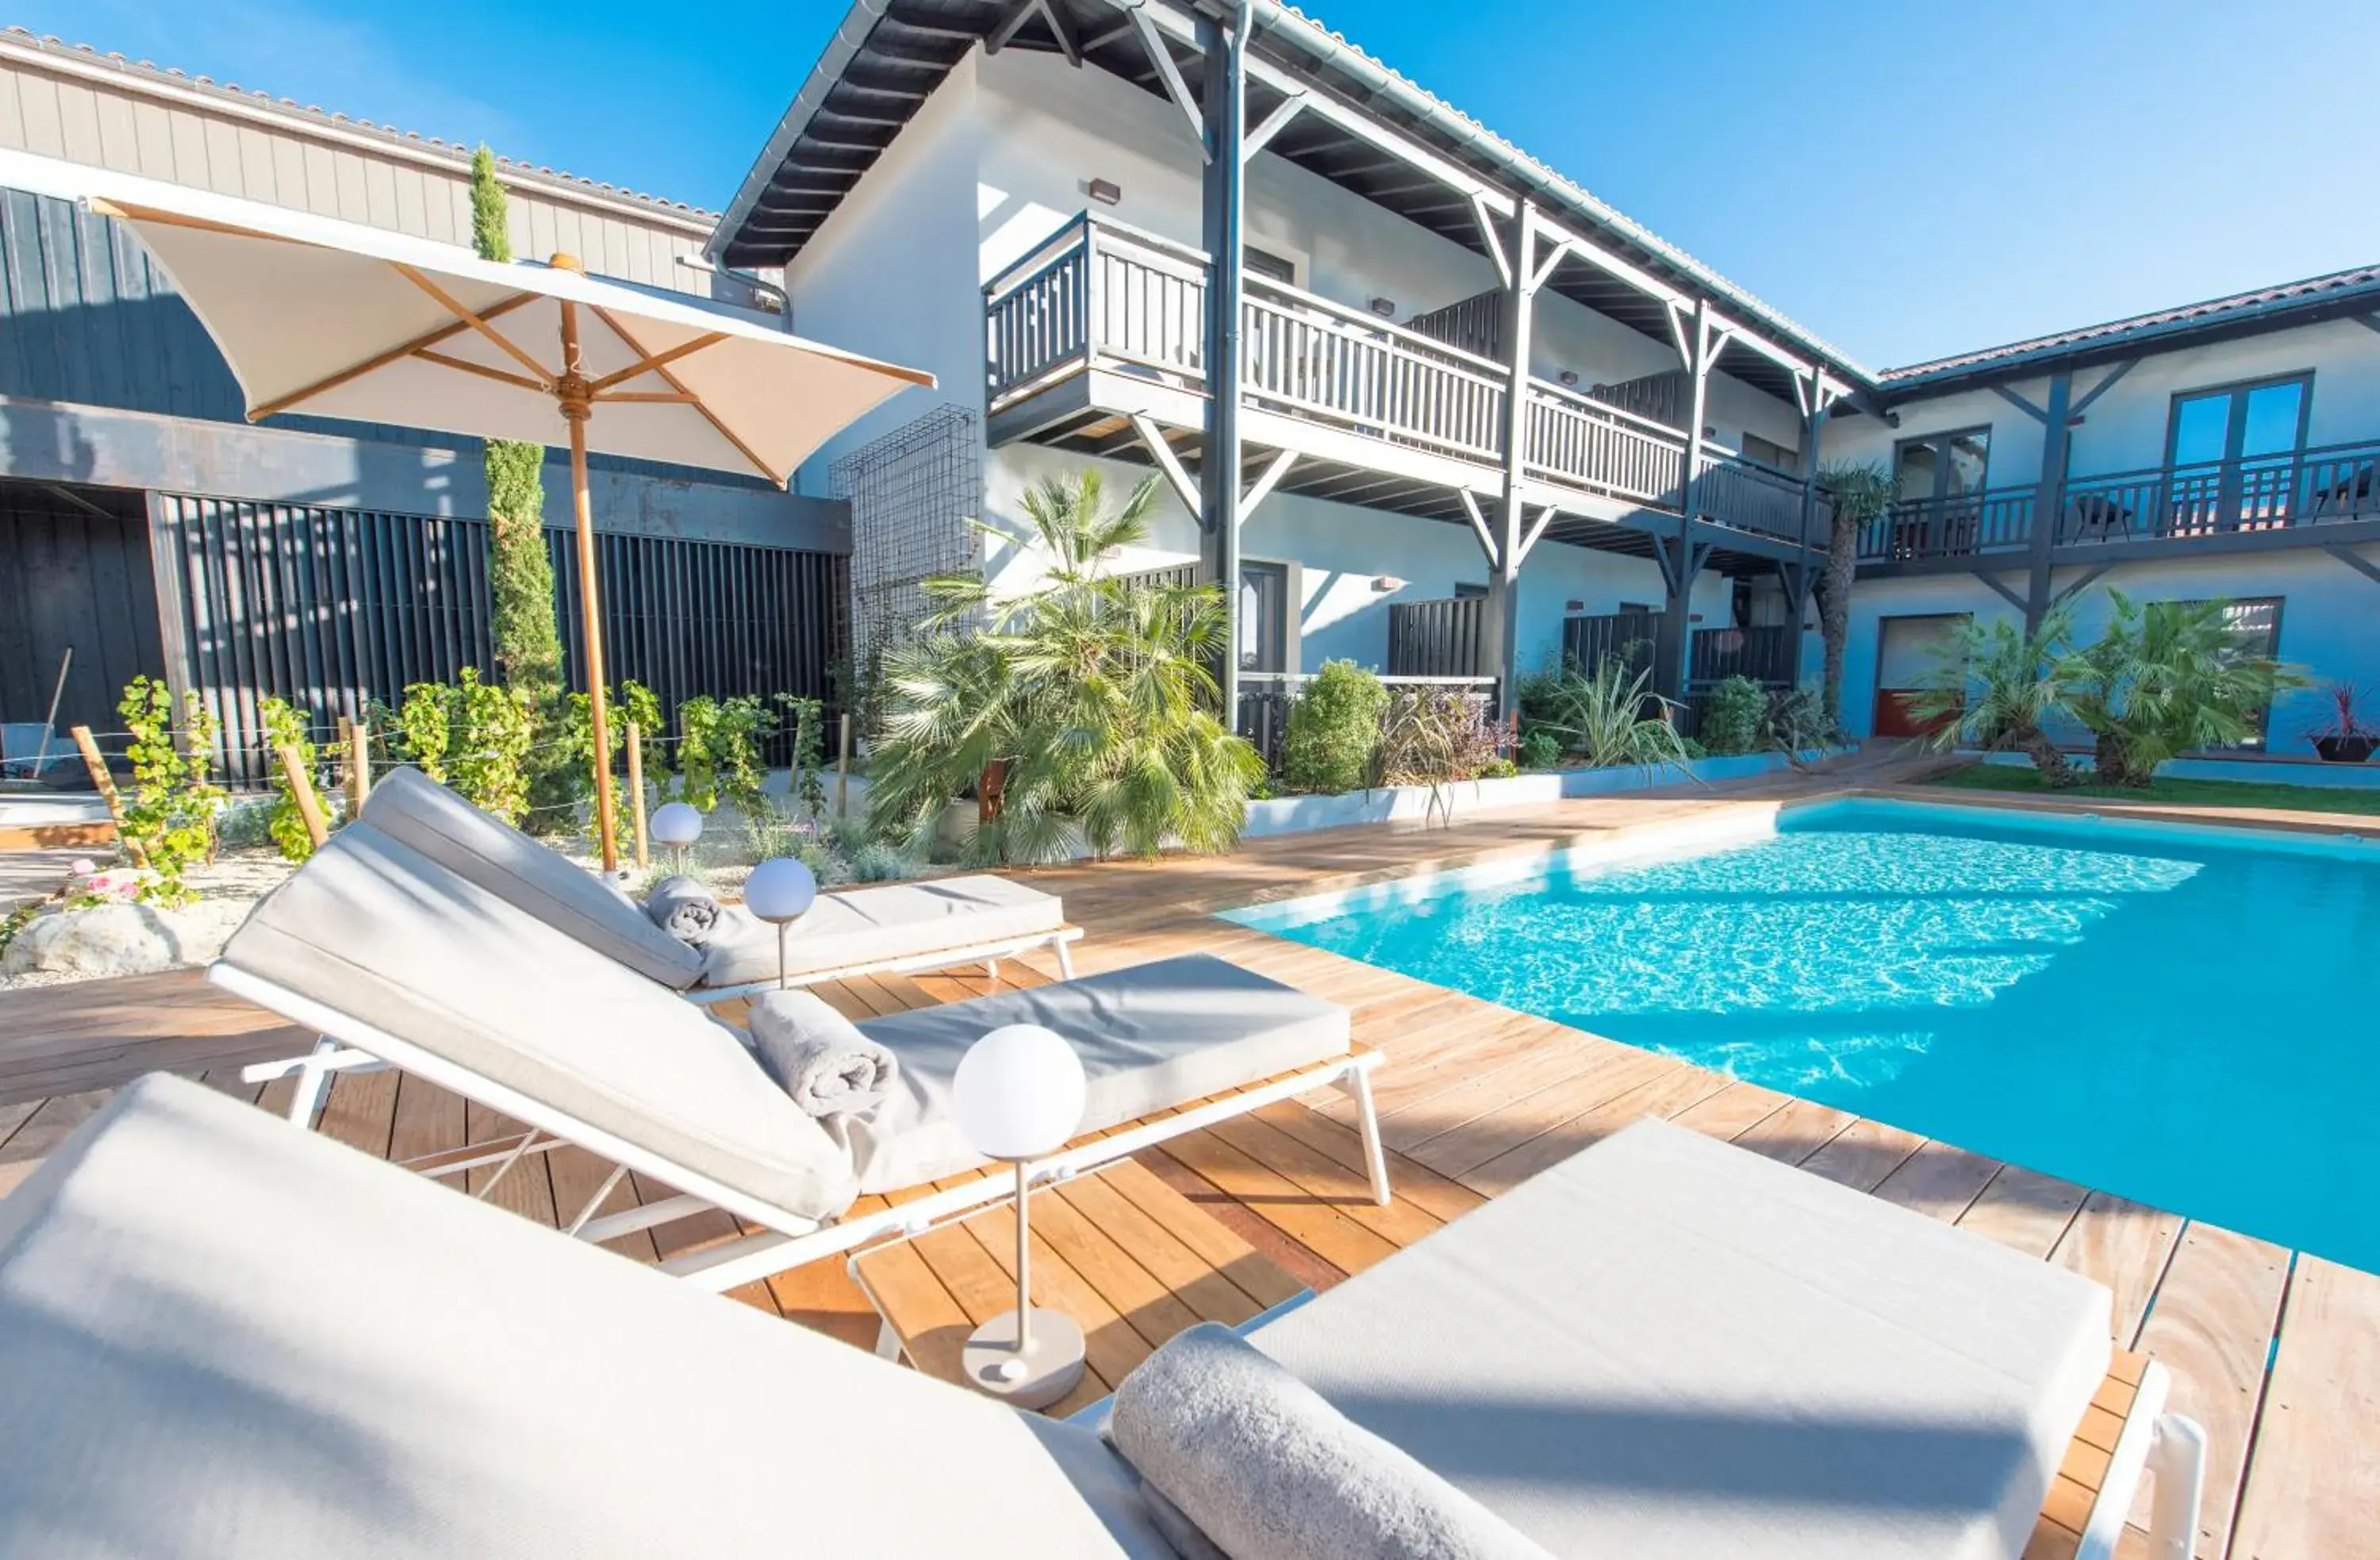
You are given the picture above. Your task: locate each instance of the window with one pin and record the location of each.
(2256, 624)
(1941, 467)
(2234, 452)
(1264, 617)
(1271, 266)
(1464, 591)
(1768, 452)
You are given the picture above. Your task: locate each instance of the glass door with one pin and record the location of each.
(2235, 454)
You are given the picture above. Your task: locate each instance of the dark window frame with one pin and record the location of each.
(1942, 473)
(2235, 432)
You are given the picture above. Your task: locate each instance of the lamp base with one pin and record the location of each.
(1046, 1371)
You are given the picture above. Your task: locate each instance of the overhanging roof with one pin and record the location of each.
(2335, 295)
(887, 57)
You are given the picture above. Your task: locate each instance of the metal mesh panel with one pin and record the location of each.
(914, 496)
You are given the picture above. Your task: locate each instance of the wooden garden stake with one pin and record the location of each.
(358, 766)
(637, 792)
(105, 782)
(843, 769)
(301, 789)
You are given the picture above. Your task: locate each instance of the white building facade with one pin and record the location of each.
(1459, 439)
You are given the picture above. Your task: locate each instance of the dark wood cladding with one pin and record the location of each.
(330, 608)
(1434, 639)
(74, 574)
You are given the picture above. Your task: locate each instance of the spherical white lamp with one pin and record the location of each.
(1019, 1091)
(677, 824)
(781, 891)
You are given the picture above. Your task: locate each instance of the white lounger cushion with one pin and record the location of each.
(224, 1336)
(881, 925)
(409, 807)
(1670, 1349)
(373, 931)
(1152, 1037)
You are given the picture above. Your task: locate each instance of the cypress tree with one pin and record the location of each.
(520, 571)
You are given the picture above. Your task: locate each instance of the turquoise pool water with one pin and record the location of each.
(2185, 1016)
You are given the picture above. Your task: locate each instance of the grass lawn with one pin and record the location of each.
(2182, 793)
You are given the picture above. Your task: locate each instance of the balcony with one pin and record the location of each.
(2330, 493)
(1104, 323)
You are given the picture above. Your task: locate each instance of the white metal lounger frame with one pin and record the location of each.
(2172, 1447)
(787, 1239)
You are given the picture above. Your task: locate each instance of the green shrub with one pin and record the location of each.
(1434, 735)
(170, 813)
(719, 758)
(473, 736)
(876, 861)
(1335, 728)
(1732, 716)
(1540, 748)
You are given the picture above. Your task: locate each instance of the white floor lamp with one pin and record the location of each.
(1019, 1092)
(675, 824)
(781, 891)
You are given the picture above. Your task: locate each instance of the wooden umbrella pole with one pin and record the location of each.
(574, 391)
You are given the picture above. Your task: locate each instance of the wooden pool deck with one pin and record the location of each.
(2275, 1352)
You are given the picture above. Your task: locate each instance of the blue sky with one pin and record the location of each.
(1906, 180)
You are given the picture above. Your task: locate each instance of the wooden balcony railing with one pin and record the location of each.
(2179, 504)
(1099, 293)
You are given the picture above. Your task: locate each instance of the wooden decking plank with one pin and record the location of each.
(1666, 1095)
(1328, 1232)
(1325, 1179)
(2314, 1480)
(1940, 1181)
(1733, 1110)
(1408, 1181)
(1210, 1294)
(1146, 1302)
(1794, 1133)
(360, 1110)
(576, 1176)
(1865, 1154)
(2123, 1245)
(1551, 1055)
(932, 1325)
(2211, 1326)
(1111, 1346)
(2024, 1210)
(43, 1131)
(1264, 1281)
(1307, 1267)
(1610, 1070)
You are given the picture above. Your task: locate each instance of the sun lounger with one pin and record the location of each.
(1721, 1355)
(890, 928)
(222, 1337)
(927, 925)
(225, 1337)
(394, 959)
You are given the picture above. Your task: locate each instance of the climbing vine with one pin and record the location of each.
(170, 813)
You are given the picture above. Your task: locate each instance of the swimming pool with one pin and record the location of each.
(2185, 1016)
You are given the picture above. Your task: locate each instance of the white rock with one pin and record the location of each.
(122, 939)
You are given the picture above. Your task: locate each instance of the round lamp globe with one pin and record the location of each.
(677, 824)
(1019, 1091)
(780, 889)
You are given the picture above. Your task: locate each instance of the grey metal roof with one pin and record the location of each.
(302, 114)
(887, 56)
(2335, 294)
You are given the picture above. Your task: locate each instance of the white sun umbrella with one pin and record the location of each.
(335, 319)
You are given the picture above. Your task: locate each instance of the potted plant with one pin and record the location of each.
(2349, 738)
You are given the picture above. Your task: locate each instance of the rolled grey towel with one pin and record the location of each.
(816, 1055)
(1269, 1470)
(684, 909)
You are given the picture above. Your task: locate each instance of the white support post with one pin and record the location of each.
(2178, 1464)
(1357, 1083)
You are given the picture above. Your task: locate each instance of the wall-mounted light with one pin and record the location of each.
(1107, 192)
(1568, 377)
(1386, 308)
(1574, 606)
(1384, 583)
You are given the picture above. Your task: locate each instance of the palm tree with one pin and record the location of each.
(1082, 708)
(2167, 677)
(1857, 495)
(1996, 687)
